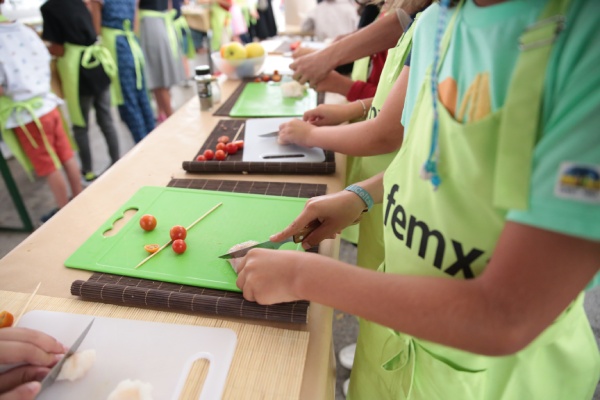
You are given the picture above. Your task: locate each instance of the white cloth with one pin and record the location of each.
(331, 18)
(25, 70)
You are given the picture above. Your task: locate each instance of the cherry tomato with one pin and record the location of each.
(231, 148)
(148, 222)
(266, 78)
(179, 246)
(257, 79)
(209, 154)
(221, 146)
(201, 158)
(223, 139)
(220, 155)
(6, 319)
(239, 144)
(151, 248)
(178, 232)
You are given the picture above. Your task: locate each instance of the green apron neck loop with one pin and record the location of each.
(521, 118)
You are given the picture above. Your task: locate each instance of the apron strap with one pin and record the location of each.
(521, 117)
(95, 55)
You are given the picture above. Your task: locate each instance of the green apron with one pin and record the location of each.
(7, 107)
(168, 17)
(458, 227)
(218, 23)
(370, 244)
(109, 40)
(181, 25)
(68, 69)
(360, 69)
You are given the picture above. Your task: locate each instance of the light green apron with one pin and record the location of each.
(68, 69)
(360, 69)
(218, 24)
(109, 40)
(9, 106)
(168, 17)
(181, 25)
(452, 233)
(370, 244)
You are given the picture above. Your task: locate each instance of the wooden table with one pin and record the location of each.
(155, 161)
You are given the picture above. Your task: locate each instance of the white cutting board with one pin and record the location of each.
(266, 149)
(156, 353)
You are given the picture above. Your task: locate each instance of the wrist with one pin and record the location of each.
(364, 196)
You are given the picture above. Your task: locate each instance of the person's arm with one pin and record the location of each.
(375, 136)
(35, 351)
(57, 50)
(378, 36)
(335, 82)
(532, 277)
(96, 11)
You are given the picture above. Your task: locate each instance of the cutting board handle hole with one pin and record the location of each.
(120, 222)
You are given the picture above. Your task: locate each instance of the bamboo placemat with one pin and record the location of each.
(234, 164)
(138, 292)
(227, 105)
(268, 362)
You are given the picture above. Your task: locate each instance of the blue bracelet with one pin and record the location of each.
(363, 194)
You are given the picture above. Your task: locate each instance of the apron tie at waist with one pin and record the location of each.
(29, 106)
(404, 358)
(180, 25)
(168, 17)
(95, 55)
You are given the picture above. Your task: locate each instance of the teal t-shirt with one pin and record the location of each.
(473, 82)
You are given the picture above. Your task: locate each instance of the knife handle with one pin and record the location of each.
(304, 232)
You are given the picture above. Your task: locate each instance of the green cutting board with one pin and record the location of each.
(264, 99)
(242, 217)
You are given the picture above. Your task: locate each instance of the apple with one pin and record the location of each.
(233, 51)
(254, 50)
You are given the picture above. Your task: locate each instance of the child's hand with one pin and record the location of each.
(34, 352)
(327, 115)
(295, 132)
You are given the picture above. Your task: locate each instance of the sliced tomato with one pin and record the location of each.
(151, 248)
(6, 319)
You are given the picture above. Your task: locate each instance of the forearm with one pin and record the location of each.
(378, 36)
(96, 10)
(56, 49)
(365, 138)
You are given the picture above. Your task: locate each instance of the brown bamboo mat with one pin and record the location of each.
(128, 291)
(234, 164)
(117, 289)
(268, 362)
(227, 105)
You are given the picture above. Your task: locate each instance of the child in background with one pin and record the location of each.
(30, 122)
(84, 68)
(331, 18)
(114, 20)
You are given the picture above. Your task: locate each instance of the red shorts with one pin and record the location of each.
(57, 138)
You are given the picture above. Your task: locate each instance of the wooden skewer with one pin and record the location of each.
(26, 304)
(238, 132)
(171, 241)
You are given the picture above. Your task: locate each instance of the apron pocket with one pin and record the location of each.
(438, 377)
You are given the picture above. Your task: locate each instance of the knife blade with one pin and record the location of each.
(53, 374)
(270, 134)
(297, 238)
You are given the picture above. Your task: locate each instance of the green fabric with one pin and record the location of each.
(168, 17)
(451, 233)
(180, 25)
(218, 24)
(7, 107)
(68, 69)
(360, 69)
(370, 244)
(109, 40)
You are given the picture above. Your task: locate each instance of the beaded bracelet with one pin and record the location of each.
(362, 103)
(363, 194)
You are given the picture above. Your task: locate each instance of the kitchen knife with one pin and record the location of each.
(297, 238)
(270, 134)
(53, 374)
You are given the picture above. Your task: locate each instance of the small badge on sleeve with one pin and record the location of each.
(578, 182)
